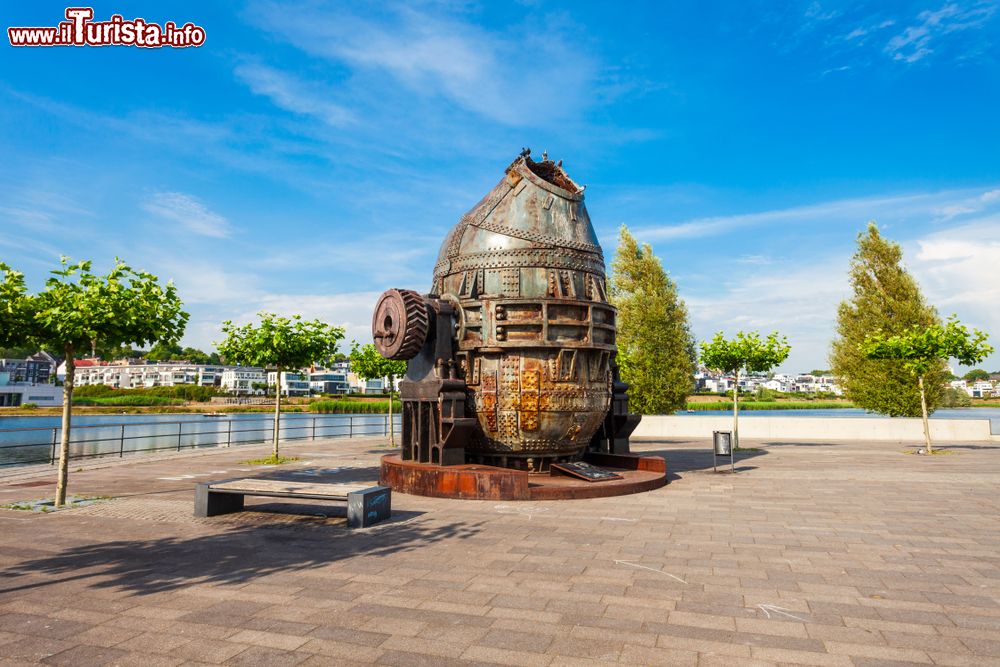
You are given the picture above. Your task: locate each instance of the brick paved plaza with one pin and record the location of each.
(813, 553)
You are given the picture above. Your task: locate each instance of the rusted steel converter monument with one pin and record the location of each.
(511, 389)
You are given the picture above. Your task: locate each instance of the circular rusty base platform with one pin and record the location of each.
(480, 482)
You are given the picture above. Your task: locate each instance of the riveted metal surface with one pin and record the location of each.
(535, 331)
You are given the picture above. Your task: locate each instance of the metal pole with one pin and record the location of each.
(229, 432)
(180, 425)
(52, 456)
(314, 428)
(350, 426)
(121, 443)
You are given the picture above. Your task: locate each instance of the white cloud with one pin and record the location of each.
(915, 41)
(942, 205)
(951, 258)
(351, 310)
(957, 268)
(188, 212)
(798, 302)
(293, 94)
(533, 75)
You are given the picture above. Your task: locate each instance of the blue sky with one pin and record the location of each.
(309, 156)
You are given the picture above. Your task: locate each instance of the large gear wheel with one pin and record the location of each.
(400, 324)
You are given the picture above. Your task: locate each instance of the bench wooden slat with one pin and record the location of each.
(367, 504)
(267, 486)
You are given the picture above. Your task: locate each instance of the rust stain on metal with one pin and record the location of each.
(526, 326)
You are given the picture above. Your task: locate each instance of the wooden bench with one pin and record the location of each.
(366, 505)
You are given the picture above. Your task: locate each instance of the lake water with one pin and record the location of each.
(29, 439)
(99, 435)
(993, 414)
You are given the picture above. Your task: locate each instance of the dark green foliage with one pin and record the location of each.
(187, 392)
(16, 352)
(174, 352)
(885, 298)
(656, 351)
(370, 365)
(14, 314)
(976, 374)
(768, 405)
(354, 407)
(133, 400)
(955, 398)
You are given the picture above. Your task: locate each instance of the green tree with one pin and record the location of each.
(281, 343)
(370, 365)
(922, 350)
(885, 298)
(656, 350)
(744, 352)
(976, 374)
(13, 311)
(164, 351)
(77, 307)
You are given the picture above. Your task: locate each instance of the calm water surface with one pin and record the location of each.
(29, 439)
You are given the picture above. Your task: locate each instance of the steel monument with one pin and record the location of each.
(511, 355)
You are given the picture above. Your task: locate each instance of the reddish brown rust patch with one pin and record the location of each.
(481, 482)
(547, 170)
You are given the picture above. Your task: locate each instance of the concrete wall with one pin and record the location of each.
(817, 428)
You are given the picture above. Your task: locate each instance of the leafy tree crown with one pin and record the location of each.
(367, 362)
(886, 298)
(921, 349)
(747, 351)
(124, 307)
(13, 315)
(279, 341)
(656, 350)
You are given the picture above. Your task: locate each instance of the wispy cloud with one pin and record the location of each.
(796, 288)
(926, 206)
(916, 41)
(292, 94)
(534, 75)
(862, 32)
(188, 212)
(956, 268)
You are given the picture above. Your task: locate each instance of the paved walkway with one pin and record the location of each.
(813, 553)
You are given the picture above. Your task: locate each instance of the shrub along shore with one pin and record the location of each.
(191, 399)
(769, 405)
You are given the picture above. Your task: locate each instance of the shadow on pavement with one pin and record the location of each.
(695, 460)
(236, 556)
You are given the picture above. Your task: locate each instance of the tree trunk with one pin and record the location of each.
(923, 408)
(67, 415)
(392, 431)
(277, 412)
(736, 411)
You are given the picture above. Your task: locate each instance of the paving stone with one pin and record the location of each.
(85, 656)
(885, 558)
(260, 656)
(519, 641)
(154, 642)
(34, 649)
(269, 639)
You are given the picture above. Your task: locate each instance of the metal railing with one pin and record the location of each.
(176, 435)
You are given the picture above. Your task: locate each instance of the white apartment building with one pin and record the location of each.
(328, 382)
(292, 384)
(242, 380)
(144, 376)
(13, 393)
